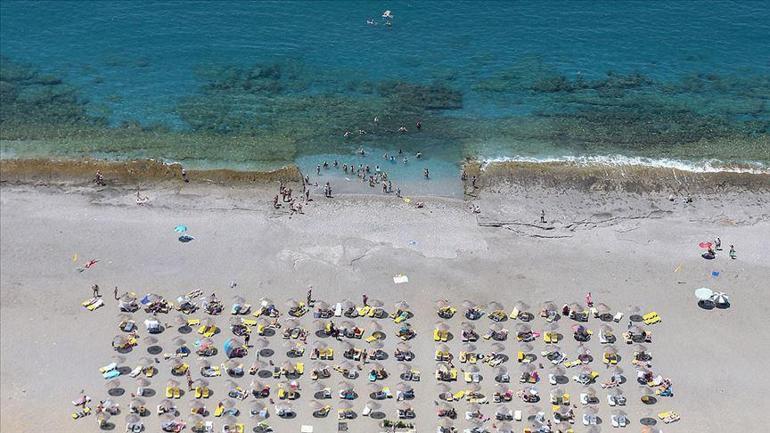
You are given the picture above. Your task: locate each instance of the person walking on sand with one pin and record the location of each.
(718, 244)
(542, 216)
(95, 289)
(309, 295)
(732, 252)
(246, 339)
(116, 293)
(589, 300)
(365, 300)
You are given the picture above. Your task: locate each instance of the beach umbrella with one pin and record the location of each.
(721, 298)
(521, 306)
(402, 305)
(197, 405)
(442, 326)
(505, 428)
(495, 327)
(610, 350)
(502, 410)
(473, 387)
(442, 303)
(467, 326)
(257, 385)
(103, 417)
(132, 418)
(576, 307)
(442, 348)
(180, 320)
(499, 348)
(548, 306)
(403, 405)
(198, 383)
(403, 346)
(149, 341)
(469, 304)
(523, 328)
(112, 384)
(466, 347)
(494, 306)
(181, 228)
(166, 418)
(374, 326)
(257, 406)
(602, 308)
(705, 245)
(375, 303)
(120, 340)
(472, 369)
(345, 405)
(166, 404)
(403, 387)
(373, 405)
(446, 423)
(345, 386)
(178, 342)
(704, 294)
(443, 387)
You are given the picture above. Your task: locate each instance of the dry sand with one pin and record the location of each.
(624, 248)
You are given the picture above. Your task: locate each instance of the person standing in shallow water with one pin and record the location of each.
(426, 173)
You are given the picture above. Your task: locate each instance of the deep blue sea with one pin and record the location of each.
(272, 81)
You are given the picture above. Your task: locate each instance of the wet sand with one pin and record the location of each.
(626, 248)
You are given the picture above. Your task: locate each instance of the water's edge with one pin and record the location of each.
(560, 175)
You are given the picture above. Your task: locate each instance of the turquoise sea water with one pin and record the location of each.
(254, 84)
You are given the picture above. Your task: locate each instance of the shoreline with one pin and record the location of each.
(565, 175)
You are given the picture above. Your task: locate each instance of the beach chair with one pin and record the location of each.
(453, 374)
(514, 314)
(111, 374)
(249, 322)
(99, 302)
(81, 413)
(219, 411)
(517, 415)
(472, 358)
(169, 392)
(193, 322)
(651, 318)
(88, 302)
(177, 393)
(669, 416)
(468, 377)
(436, 335)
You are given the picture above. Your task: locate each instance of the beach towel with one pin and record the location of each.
(400, 279)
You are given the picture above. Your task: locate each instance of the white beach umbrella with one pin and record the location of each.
(704, 294)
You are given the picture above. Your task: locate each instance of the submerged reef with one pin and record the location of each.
(274, 112)
(28, 96)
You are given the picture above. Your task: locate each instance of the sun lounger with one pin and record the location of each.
(88, 302)
(468, 377)
(652, 320)
(111, 374)
(669, 416)
(617, 317)
(108, 367)
(170, 392)
(81, 413)
(517, 415)
(99, 302)
(514, 314)
(219, 411)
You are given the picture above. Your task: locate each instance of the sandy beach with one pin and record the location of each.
(626, 248)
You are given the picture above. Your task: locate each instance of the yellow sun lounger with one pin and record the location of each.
(364, 311)
(458, 395)
(651, 318)
(193, 322)
(468, 377)
(169, 392)
(219, 411)
(249, 322)
(372, 338)
(300, 367)
(436, 335)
